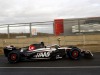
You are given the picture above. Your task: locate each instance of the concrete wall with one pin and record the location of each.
(88, 42)
(65, 40)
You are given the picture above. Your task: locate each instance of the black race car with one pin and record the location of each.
(40, 51)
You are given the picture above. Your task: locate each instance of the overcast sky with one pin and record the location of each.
(16, 11)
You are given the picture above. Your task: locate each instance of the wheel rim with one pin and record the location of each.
(13, 57)
(75, 54)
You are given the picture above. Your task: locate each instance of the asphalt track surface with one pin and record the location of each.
(47, 67)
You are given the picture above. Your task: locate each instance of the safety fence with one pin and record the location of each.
(31, 29)
(75, 26)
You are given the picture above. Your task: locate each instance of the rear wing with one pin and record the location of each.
(8, 49)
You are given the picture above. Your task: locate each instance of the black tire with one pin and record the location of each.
(14, 57)
(74, 53)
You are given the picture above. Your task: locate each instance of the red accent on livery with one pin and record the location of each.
(31, 47)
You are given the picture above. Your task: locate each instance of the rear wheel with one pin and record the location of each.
(14, 57)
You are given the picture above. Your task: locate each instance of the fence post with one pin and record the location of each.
(84, 39)
(30, 26)
(79, 25)
(8, 31)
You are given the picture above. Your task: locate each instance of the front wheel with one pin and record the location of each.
(14, 57)
(74, 53)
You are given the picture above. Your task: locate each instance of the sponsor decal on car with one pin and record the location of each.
(43, 54)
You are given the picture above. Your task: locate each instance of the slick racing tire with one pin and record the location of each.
(74, 53)
(14, 57)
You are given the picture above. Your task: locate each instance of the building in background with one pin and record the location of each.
(77, 25)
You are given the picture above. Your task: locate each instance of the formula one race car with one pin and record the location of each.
(40, 51)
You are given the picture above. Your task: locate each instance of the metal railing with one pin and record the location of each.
(80, 26)
(22, 25)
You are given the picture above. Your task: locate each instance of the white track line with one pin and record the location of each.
(75, 67)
